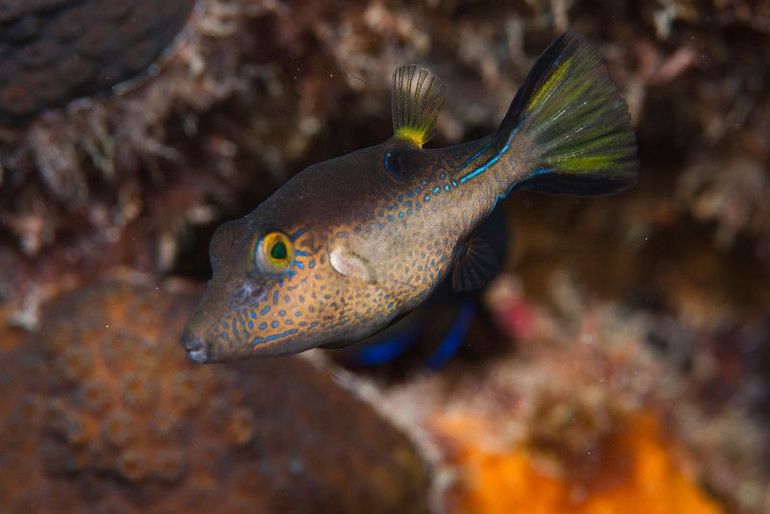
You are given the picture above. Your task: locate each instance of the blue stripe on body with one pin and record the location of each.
(475, 156)
(484, 167)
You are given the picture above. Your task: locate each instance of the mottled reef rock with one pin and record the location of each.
(101, 412)
(54, 51)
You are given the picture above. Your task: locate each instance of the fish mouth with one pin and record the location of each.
(196, 348)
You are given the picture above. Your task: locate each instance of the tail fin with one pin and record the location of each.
(577, 122)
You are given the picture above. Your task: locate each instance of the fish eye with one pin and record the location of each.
(273, 252)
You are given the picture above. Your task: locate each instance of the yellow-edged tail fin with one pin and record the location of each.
(418, 95)
(578, 121)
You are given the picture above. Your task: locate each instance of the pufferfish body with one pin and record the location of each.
(349, 245)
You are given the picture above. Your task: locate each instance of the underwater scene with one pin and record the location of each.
(384, 256)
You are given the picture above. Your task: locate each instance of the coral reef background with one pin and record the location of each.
(623, 358)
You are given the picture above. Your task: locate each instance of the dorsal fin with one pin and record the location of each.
(418, 95)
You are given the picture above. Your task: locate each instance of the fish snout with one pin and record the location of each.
(196, 348)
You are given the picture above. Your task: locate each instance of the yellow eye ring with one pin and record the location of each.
(274, 252)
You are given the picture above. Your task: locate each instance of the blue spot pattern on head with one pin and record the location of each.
(273, 337)
(239, 323)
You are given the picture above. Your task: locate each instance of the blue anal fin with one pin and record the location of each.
(454, 337)
(385, 351)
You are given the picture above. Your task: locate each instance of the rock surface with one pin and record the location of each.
(101, 412)
(55, 51)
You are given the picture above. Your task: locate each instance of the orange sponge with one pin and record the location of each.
(637, 473)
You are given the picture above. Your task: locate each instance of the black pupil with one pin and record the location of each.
(278, 251)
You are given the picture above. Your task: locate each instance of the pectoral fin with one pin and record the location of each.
(476, 265)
